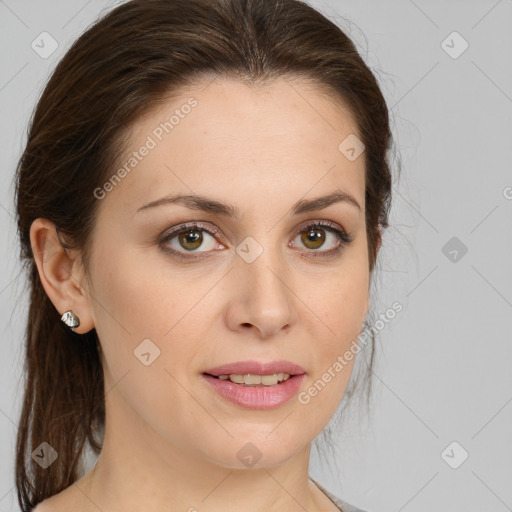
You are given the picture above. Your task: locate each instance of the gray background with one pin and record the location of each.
(443, 369)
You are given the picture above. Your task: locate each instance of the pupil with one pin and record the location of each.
(313, 235)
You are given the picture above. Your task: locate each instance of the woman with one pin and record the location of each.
(200, 206)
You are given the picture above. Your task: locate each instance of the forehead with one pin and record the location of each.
(219, 133)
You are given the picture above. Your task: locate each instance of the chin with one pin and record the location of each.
(258, 451)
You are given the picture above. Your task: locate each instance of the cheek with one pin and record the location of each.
(141, 319)
(131, 295)
(345, 306)
(339, 300)
(135, 301)
(340, 306)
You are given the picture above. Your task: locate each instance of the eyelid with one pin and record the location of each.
(212, 230)
(190, 225)
(321, 223)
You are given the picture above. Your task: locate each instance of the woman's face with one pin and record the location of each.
(246, 287)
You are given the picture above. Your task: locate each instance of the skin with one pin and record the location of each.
(171, 442)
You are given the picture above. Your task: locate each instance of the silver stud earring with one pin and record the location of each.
(70, 319)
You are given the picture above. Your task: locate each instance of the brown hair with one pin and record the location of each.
(121, 67)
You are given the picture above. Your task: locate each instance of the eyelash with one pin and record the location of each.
(343, 237)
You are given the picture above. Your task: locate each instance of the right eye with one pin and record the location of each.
(188, 239)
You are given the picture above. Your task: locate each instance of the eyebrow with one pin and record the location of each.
(206, 204)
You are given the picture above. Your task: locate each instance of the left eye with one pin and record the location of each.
(314, 237)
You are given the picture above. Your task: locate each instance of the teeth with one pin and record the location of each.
(256, 380)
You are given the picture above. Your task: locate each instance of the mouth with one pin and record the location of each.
(251, 380)
(256, 384)
(256, 373)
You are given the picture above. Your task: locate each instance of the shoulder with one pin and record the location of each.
(48, 505)
(64, 501)
(42, 507)
(347, 507)
(342, 505)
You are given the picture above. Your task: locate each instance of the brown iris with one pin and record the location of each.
(314, 236)
(191, 239)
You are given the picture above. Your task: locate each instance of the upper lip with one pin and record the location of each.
(257, 368)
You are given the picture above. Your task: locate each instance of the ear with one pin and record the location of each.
(61, 273)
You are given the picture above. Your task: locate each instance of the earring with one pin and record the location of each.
(70, 319)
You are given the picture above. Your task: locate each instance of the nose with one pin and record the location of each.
(263, 298)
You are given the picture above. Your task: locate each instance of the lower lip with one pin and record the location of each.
(257, 397)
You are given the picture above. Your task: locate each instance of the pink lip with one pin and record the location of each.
(257, 368)
(256, 397)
